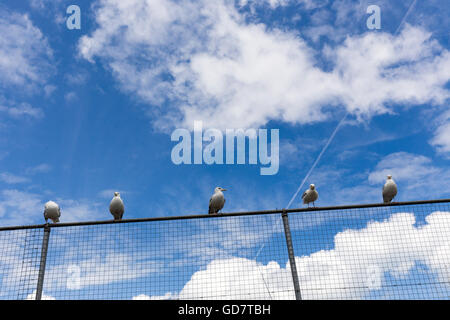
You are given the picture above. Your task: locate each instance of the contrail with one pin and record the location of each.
(405, 16)
(330, 139)
(340, 123)
(325, 147)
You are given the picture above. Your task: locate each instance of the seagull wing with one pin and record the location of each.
(210, 209)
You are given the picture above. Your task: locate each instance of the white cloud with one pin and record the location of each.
(21, 110)
(40, 168)
(12, 178)
(19, 207)
(70, 97)
(403, 166)
(24, 52)
(213, 66)
(76, 78)
(356, 265)
(441, 138)
(81, 210)
(43, 4)
(416, 176)
(378, 68)
(22, 207)
(49, 89)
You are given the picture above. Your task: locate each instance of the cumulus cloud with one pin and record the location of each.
(358, 264)
(214, 66)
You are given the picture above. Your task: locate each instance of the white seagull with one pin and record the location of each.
(217, 201)
(52, 212)
(116, 207)
(310, 195)
(389, 190)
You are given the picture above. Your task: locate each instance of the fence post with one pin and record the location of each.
(287, 233)
(40, 283)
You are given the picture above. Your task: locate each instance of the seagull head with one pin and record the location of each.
(312, 186)
(116, 194)
(51, 204)
(219, 189)
(389, 176)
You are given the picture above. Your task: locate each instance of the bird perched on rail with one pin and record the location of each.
(310, 195)
(389, 190)
(217, 201)
(52, 212)
(116, 207)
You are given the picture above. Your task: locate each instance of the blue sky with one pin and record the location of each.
(84, 113)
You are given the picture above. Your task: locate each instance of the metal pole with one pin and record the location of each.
(40, 283)
(287, 232)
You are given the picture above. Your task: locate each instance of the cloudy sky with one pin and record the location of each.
(86, 112)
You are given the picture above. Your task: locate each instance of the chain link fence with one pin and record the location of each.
(394, 251)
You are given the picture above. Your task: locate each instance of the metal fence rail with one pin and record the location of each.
(373, 251)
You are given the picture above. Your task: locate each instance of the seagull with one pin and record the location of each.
(116, 207)
(310, 195)
(389, 189)
(217, 201)
(52, 212)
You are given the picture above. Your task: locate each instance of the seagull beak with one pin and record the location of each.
(224, 189)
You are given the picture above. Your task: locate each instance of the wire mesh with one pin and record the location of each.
(399, 252)
(205, 258)
(388, 252)
(20, 252)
